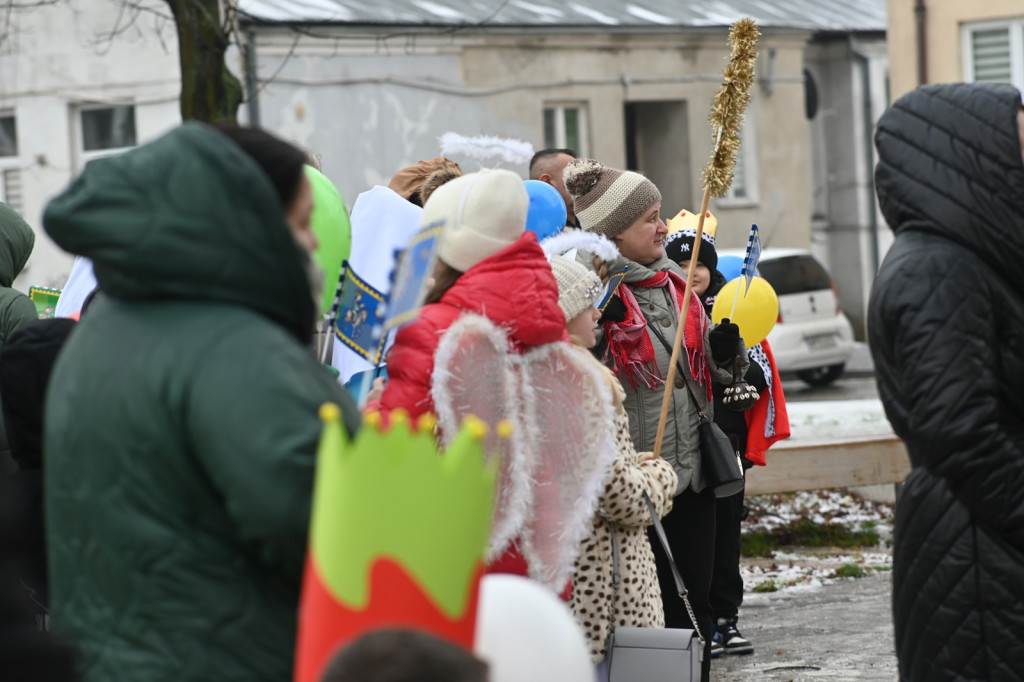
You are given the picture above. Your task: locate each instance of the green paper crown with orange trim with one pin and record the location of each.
(397, 535)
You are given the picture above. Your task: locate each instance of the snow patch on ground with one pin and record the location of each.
(768, 512)
(828, 420)
(801, 569)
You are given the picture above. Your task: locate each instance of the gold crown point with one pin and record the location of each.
(427, 423)
(329, 413)
(505, 429)
(476, 426)
(373, 419)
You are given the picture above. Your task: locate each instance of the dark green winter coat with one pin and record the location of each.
(182, 419)
(16, 242)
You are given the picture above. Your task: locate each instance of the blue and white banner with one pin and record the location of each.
(752, 257)
(358, 323)
(610, 288)
(382, 222)
(413, 275)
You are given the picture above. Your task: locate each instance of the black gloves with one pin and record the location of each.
(615, 311)
(724, 341)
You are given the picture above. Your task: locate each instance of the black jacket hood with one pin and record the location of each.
(950, 164)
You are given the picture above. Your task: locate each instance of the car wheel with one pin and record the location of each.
(821, 376)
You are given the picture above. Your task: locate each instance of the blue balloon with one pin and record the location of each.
(730, 266)
(546, 215)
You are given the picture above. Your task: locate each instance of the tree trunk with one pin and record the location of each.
(209, 92)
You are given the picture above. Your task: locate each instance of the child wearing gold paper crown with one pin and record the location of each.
(726, 583)
(596, 602)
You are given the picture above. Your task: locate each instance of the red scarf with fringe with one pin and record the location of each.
(630, 345)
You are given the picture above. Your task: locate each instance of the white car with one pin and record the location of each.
(812, 336)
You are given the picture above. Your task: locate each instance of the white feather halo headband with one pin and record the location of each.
(483, 147)
(570, 238)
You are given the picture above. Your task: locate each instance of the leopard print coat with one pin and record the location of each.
(638, 602)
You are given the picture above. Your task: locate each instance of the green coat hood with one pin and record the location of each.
(16, 247)
(188, 216)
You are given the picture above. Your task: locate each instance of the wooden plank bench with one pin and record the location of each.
(846, 463)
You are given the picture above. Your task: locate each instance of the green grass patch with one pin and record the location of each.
(806, 533)
(850, 571)
(766, 586)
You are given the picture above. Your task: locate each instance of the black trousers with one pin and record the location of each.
(690, 528)
(726, 582)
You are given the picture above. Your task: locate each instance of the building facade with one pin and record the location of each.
(631, 99)
(941, 41)
(74, 87)
(370, 87)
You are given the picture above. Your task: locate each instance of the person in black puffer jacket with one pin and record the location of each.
(946, 329)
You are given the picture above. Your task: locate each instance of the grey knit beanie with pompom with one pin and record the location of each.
(608, 200)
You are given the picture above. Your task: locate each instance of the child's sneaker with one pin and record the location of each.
(716, 647)
(731, 640)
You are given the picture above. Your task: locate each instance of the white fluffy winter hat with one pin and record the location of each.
(483, 213)
(578, 287)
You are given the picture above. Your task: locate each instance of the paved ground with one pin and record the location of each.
(841, 631)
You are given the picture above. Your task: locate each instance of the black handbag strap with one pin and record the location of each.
(681, 590)
(679, 368)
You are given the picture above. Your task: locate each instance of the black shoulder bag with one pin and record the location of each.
(719, 460)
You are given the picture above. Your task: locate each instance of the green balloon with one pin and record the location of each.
(333, 232)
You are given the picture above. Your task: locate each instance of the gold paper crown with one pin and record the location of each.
(687, 220)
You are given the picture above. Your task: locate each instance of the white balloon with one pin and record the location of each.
(527, 634)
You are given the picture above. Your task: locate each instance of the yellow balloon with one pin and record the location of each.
(756, 309)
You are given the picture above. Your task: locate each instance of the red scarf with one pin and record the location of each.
(629, 342)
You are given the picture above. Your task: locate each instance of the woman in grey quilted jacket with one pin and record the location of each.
(639, 326)
(596, 601)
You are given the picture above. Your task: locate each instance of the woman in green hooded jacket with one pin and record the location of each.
(181, 419)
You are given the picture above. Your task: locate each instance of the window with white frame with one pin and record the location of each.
(994, 52)
(565, 127)
(10, 173)
(745, 178)
(105, 130)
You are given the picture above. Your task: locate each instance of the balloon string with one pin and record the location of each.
(734, 299)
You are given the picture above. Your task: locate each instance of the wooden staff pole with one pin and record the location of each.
(666, 400)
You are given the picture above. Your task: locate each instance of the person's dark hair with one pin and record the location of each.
(399, 655)
(547, 153)
(444, 277)
(280, 161)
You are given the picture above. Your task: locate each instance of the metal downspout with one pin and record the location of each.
(869, 148)
(920, 16)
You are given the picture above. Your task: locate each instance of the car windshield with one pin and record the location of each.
(794, 274)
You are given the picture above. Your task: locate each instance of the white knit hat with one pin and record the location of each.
(578, 287)
(483, 213)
